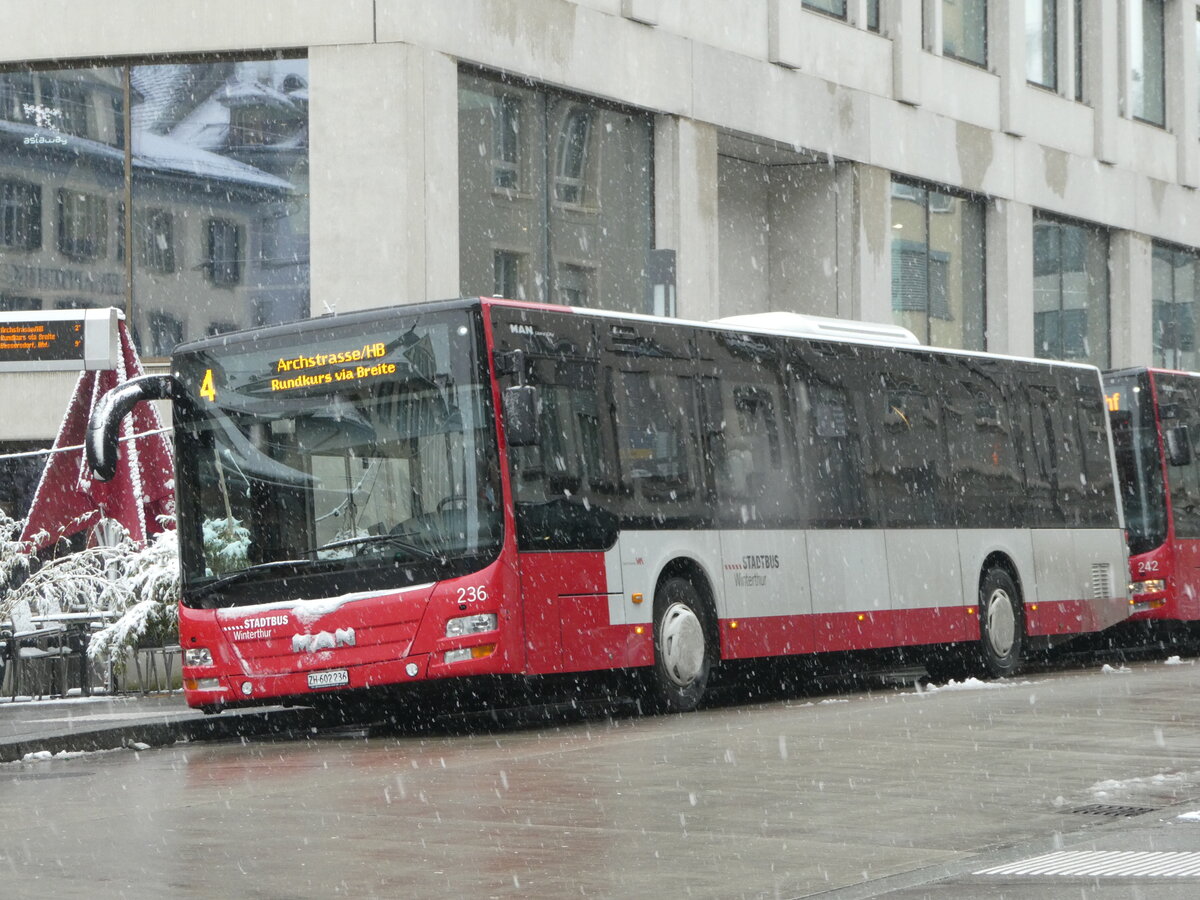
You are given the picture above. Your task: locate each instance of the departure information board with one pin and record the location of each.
(58, 340)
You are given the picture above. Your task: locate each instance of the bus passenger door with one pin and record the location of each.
(566, 537)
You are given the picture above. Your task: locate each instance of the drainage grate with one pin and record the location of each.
(1106, 864)
(1108, 809)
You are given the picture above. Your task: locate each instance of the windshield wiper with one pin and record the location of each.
(243, 574)
(393, 539)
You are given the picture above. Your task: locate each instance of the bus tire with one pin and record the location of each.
(1001, 624)
(684, 647)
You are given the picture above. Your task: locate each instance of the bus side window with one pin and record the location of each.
(657, 437)
(831, 458)
(752, 477)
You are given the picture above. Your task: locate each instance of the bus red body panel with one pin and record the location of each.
(568, 625)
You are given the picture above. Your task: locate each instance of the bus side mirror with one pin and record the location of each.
(520, 415)
(105, 425)
(1179, 447)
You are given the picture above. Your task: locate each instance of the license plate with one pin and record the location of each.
(328, 678)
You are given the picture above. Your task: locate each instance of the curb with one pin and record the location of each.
(160, 734)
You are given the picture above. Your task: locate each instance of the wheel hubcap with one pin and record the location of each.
(1001, 623)
(682, 644)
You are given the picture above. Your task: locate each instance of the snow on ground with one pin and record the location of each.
(970, 684)
(41, 756)
(1109, 670)
(1112, 789)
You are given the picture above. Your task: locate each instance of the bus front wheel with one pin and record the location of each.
(684, 647)
(1001, 627)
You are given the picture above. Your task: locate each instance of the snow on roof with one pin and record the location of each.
(152, 151)
(822, 327)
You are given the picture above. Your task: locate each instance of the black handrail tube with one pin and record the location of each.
(104, 426)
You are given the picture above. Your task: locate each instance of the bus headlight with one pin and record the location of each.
(1152, 586)
(476, 624)
(197, 656)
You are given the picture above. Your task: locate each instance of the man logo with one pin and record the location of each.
(322, 640)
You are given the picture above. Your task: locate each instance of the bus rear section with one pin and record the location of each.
(1156, 426)
(707, 492)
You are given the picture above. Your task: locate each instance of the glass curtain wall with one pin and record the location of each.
(175, 192)
(1070, 292)
(555, 196)
(938, 255)
(1173, 288)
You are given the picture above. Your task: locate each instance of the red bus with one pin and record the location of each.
(482, 487)
(1155, 423)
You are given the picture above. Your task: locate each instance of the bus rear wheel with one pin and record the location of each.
(684, 647)
(1001, 625)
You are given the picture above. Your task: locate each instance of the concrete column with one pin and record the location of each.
(1130, 273)
(685, 211)
(1007, 51)
(864, 261)
(1008, 230)
(901, 20)
(1102, 68)
(384, 176)
(1180, 31)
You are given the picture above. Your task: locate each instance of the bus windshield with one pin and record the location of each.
(1135, 440)
(340, 458)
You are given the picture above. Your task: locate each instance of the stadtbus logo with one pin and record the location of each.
(45, 118)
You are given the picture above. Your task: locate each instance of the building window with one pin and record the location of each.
(166, 332)
(574, 285)
(1174, 290)
(1070, 292)
(508, 281)
(20, 215)
(1041, 43)
(583, 176)
(873, 15)
(157, 248)
(82, 225)
(223, 257)
(938, 266)
(11, 303)
(506, 143)
(1147, 51)
(571, 156)
(964, 30)
(835, 8)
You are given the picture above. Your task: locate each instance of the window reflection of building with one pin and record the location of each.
(964, 30)
(219, 220)
(937, 266)
(555, 196)
(1070, 291)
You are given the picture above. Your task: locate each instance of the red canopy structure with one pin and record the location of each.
(69, 500)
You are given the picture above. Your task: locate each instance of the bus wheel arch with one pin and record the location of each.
(686, 638)
(1001, 617)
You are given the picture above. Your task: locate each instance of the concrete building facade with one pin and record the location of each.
(1016, 177)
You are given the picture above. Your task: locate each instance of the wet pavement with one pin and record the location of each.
(1074, 784)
